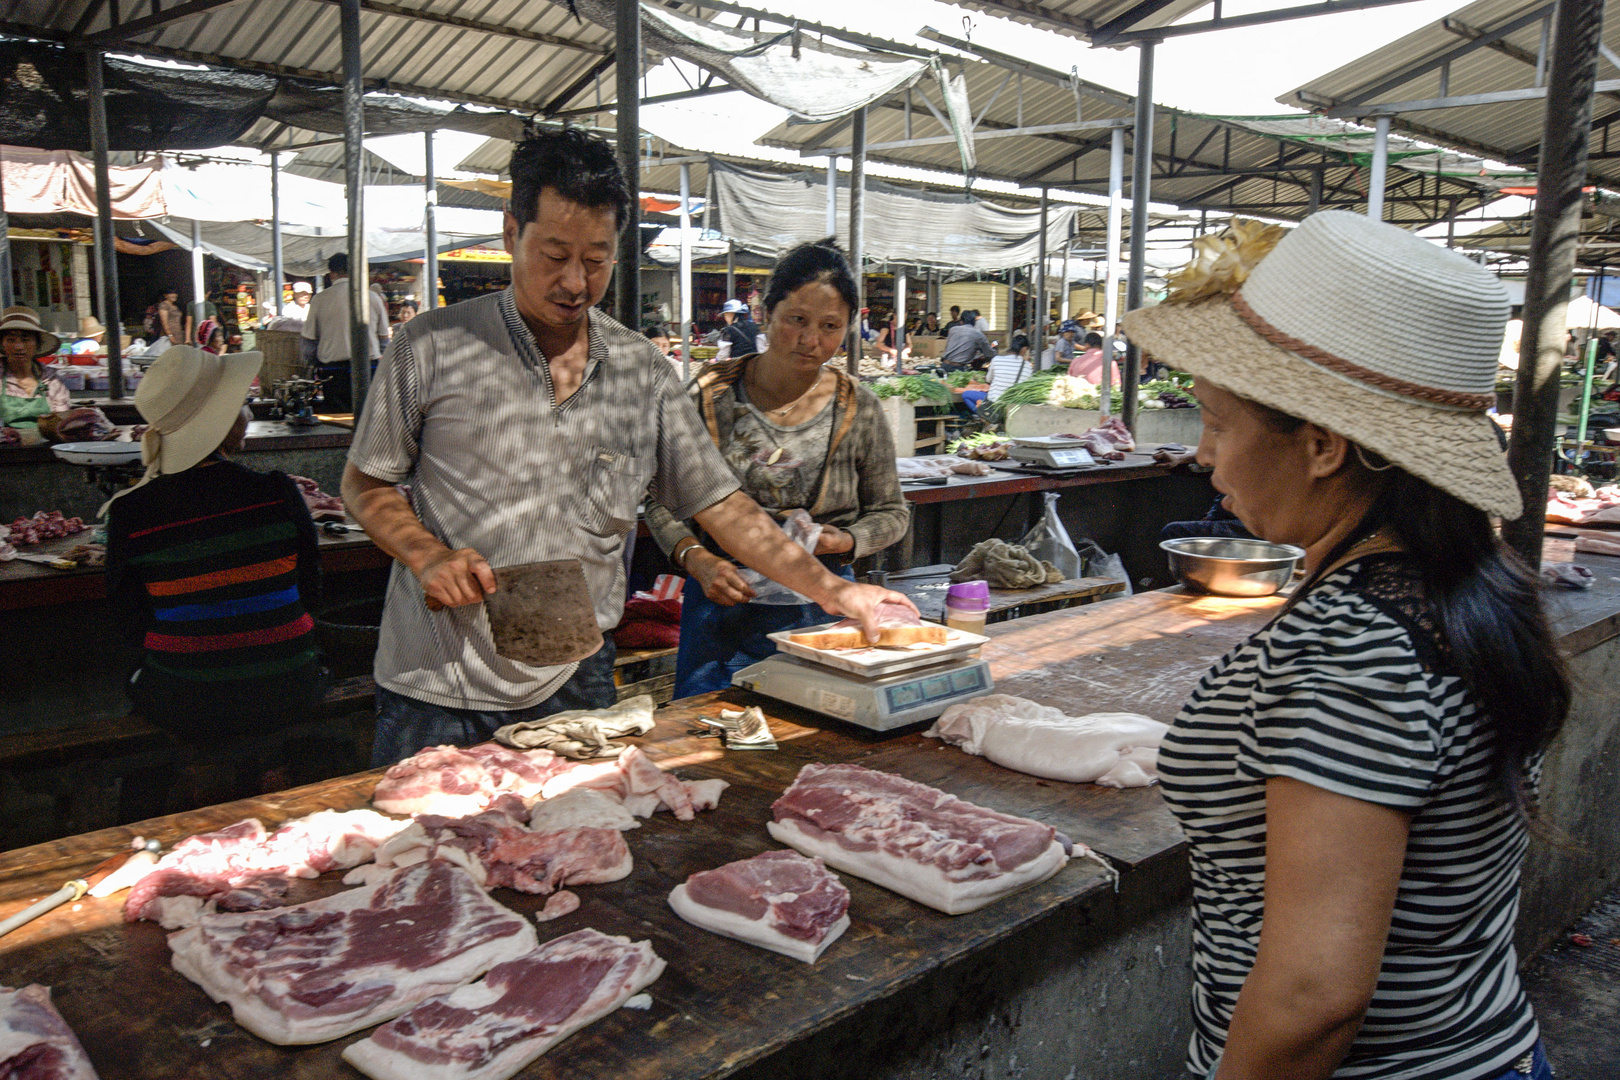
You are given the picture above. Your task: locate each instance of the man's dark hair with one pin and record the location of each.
(955, 310)
(338, 264)
(579, 166)
(810, 264)
(1093, 340)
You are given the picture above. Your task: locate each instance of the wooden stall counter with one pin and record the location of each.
(720, 1004)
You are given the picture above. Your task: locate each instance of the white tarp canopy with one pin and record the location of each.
(770, 213)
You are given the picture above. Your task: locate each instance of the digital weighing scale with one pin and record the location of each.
(1051, 452)
(877, 688)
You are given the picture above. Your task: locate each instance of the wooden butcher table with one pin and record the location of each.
(721, 1006)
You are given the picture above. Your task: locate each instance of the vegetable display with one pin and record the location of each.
(913, 388)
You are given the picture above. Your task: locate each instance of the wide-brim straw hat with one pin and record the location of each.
(191, 398)
(1299, 330)
(90, 326)
(18, 317)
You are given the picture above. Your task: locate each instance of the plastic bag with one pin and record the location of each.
(1096, 562)
(1049, 540)
(802, 531)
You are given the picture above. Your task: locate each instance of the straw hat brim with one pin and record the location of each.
(1456, 450)
(201, 435)
(48, 342)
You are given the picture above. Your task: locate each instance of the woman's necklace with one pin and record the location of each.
(785, 409)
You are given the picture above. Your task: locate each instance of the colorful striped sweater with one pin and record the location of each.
(216, 568)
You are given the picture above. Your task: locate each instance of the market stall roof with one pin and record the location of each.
(1482, 69)
(1120, 22)
(1598, 247)
(1039, 127)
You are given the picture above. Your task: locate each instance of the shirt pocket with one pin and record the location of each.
(616, 486)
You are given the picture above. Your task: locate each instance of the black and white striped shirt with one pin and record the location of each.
(1349, 691)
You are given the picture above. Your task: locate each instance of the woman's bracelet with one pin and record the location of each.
(681, 553)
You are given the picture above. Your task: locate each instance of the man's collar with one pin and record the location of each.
(529, 349)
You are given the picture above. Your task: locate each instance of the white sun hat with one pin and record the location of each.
(1305, 328)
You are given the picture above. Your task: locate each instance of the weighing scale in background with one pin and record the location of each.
(1051, 452)
(876, 688)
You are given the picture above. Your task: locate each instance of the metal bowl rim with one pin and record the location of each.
(1292, 553)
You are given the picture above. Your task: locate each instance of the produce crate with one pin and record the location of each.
(280, 349)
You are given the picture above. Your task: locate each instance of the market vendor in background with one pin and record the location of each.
(211, 337)
(966, 345)
(1357, 780)
(29, 391)
(1063, 346)
(740, 334)
(1088, 363)
(90, 341)
(797, 435)
(213, 568)
(927, 326)
(326, 335)
(886, 346)
(529, 425)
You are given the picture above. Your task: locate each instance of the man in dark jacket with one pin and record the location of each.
(741, 331)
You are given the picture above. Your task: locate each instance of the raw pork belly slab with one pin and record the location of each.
(455, 781)
(1112, 749)
(35, 1042)
(321, 970)
(778, 900)
(492, 1029)
(636, 781)
(916, 840)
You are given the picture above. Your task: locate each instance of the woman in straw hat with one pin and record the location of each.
(28, 392)
(1355, 779)
(213, 565)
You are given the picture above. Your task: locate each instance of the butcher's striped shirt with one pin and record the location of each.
(1349, 691)
(217, 561)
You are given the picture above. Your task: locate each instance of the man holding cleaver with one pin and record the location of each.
(528, 426)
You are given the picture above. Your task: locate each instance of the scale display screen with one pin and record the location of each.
(908, 695)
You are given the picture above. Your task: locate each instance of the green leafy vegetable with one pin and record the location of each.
(913, 388)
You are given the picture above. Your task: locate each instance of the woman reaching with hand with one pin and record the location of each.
(798, 435)
(1355, 780)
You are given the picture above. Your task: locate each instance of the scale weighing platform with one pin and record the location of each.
(876, 688)
(1051, 452)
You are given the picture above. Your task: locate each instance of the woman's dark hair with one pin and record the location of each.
(820, 263)
(1488, 606)
(1093, 339)
(1020, 342)
(581, 167)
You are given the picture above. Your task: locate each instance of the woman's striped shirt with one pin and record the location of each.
(1350, 691)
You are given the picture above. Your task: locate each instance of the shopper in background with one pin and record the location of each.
(170, 323)
(326, 335)
(966, 344)
(740, 336)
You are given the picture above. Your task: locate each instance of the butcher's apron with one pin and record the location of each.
(23, 412)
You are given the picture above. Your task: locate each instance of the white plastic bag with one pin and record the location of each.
(802, 531)
(1049, 540)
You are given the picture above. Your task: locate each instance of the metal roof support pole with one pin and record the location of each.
(277, 268)
(6, 298)
(1560, 173)
(1012, 305)
(430, 222)
(857, 229)
(1063, 286)
(686, 271)
(198, 289)
(1041, 308)
(1316, 192)
(832, 198)
(1116, 191)
(898, 338)
(1380, 169)
(627, 119)
(1141, 184)
(107, 272)
(354, 127)
(731, 269)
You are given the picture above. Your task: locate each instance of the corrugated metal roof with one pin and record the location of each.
(1080, 18)
(1410, 69)
(1261, 165)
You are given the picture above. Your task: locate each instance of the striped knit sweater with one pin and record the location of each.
(216, 568)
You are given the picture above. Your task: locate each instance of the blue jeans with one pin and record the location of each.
(717, 642)
(406, 725)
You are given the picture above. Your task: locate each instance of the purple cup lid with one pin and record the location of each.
(969, 596)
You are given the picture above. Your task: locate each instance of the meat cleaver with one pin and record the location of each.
(541, 613)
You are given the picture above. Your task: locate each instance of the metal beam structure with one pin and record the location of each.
(377, 7)
(354, 129)
(1459, 101)
(1116, 198)
(1560, 175)
(107, 272)
(659, 99)
(1141, 191)
(1378, 176)
(976, 136)
(627, 119)
(686, 272)
(1258, 18)
(198, 288)
(1038, 293)
(857, 233)
(429, 293)
(832, 197)
(6, 299)
(278, 271)
(120, 32)
(1435, 62)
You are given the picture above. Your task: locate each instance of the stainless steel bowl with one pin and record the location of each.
(1227, 566)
